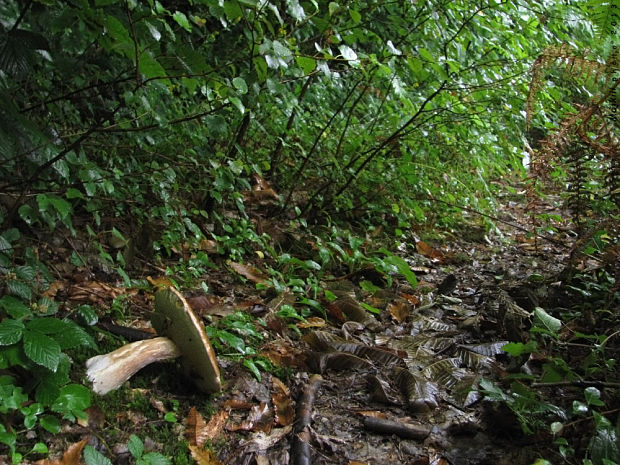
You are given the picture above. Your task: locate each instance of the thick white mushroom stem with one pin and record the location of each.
(109, 371)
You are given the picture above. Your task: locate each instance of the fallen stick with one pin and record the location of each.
(403, 430)
(301, 453)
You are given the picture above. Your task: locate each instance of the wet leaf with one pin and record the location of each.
(446, 372)
(420, 393)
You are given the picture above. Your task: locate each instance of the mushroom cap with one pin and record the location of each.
(174, 318)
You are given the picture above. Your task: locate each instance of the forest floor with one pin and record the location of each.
(405, 385)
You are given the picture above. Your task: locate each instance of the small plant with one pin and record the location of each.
(33, 340)
(136, 449)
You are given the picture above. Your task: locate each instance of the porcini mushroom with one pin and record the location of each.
(181, 334)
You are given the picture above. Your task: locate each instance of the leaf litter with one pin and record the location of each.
(400, 386)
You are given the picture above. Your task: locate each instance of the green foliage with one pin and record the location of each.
(136, 449)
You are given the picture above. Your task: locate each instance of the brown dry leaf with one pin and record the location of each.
(203, 456)
(372, 413)
(260, 183)
(158, 405)
(399, 310)
(216, 424)
(202, 303)
(195, 428)
(357, 462)
(312, 322)
(424, 249)
(410, 298)
(260, 419)
(208, 245)
(95, 420)
(72, 455)
(282, 353)
(249, 272)
(53, 289)
(283, 405)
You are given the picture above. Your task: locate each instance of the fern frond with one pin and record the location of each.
(602, 15)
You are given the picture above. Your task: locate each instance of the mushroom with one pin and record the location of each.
(181, 335)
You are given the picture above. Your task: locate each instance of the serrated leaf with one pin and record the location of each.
(26, 273)
(155, 458)
(10, 332)
(74, 336)
(20, 289)
(94, 457)
(72, 401)
(135, 446)
(46, 325)
(14, 307)
(41, 349)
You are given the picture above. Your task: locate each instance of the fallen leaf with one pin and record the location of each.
(312, 322)
(195, 428)
(71, 456)
(251, 273)
(411, 298)
(283, 405)
(203, 456)
(399, 310)
(424, 249)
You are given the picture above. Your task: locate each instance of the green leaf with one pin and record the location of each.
(151, 68)
(10, 332)
(40, 448)
(14, 307)
(94, 457)
(72, 401)
(306, 63)
(240, 85)
(46, 325)
(370, 308)
(182, 20)
(518, 348)
(155, 458)
(135, 446)
(50, 423)
(250, 365)
(232, 10)
(41, 349)
(593, 396)
(347, 53)
(544, 320)
(20, 289)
